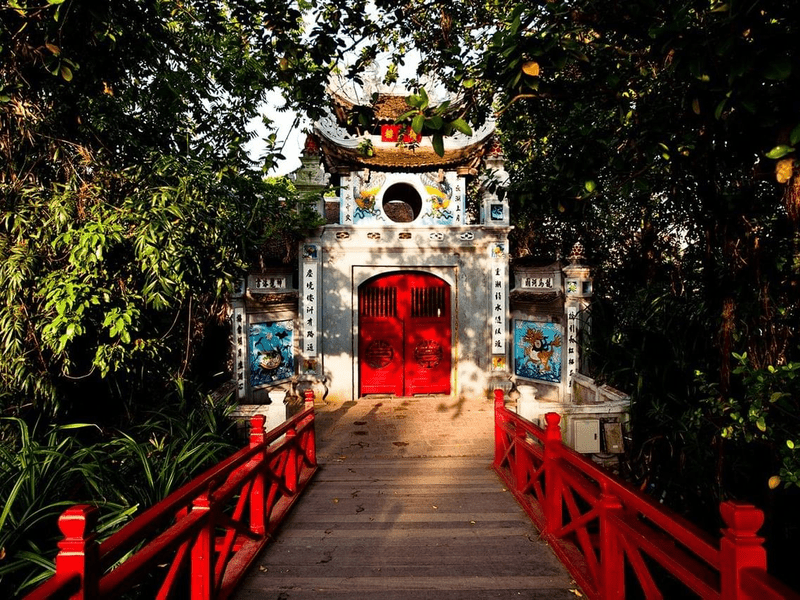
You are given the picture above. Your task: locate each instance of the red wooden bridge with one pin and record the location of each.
(439, 524)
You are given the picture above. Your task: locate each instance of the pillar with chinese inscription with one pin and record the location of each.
(578, 295)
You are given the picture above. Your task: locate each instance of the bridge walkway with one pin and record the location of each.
(405, 505)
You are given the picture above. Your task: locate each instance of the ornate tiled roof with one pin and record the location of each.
(342, 149)
(387, 101)
(387, 108)
(392, 156)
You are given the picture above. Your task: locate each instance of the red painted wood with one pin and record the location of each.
(405, 335)
(202, 552)
(545, 477)
(78, 550)
(612, 557)
(614, 526)
(740, 547)
(208, 529)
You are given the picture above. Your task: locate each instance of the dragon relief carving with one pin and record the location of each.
(366, 187)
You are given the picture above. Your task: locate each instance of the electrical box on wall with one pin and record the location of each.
(612, 433)
(586, 435)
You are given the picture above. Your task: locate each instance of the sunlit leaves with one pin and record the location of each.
(779, 151)
(418, 122)
(129, 202)
(461, 126)
(784, 170)
(531, 68)
(764, 411)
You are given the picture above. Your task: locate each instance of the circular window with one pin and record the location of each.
(402, 203)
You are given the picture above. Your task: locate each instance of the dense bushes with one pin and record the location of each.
(46, 468)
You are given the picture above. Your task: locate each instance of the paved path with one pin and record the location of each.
(406, 506)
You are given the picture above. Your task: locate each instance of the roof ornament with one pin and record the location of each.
(498, 178)
(578, 254)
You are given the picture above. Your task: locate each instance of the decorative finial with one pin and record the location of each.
(578, 254)
(311, 146)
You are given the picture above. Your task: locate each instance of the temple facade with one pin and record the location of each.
(411, 276)
(407, 289)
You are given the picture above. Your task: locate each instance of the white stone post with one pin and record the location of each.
(578, 289)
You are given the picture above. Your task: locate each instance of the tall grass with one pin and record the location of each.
(45, 469)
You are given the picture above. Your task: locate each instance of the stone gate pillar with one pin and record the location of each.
(578, 295)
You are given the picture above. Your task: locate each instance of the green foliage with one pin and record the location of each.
(662, 135)
(165, 448)
(765, 411)
(44, 470)
(40, 476)
(128, 203)
(437, 121)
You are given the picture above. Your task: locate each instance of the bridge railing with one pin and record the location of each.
(209, 531)
(609, 535)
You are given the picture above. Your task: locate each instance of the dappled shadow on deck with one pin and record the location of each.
(406, 506)
(390, 426)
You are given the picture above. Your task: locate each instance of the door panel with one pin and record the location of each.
(427, 365)
(380, 347)
(405, 335)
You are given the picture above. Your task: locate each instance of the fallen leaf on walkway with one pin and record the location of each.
(577, 593)
(434, 506)
(336, 501)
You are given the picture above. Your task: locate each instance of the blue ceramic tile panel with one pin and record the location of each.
(271, 352)
(537, 350)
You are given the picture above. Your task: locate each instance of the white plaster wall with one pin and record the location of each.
(458, 255)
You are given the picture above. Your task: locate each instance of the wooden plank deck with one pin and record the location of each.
(412, 528)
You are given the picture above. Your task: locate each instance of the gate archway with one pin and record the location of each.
(404, 335)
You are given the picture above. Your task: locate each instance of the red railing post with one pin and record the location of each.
(552, 451)
(290, 474)
(308, 396)
(77, 552)
(202, 555)
(519, 468)
(740, 548)
(612, 557)
(258, 516)
(310, 449)
(499, 403)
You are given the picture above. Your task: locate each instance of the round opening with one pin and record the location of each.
(402, 203)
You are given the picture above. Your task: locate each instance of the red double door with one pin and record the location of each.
(404, 335)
